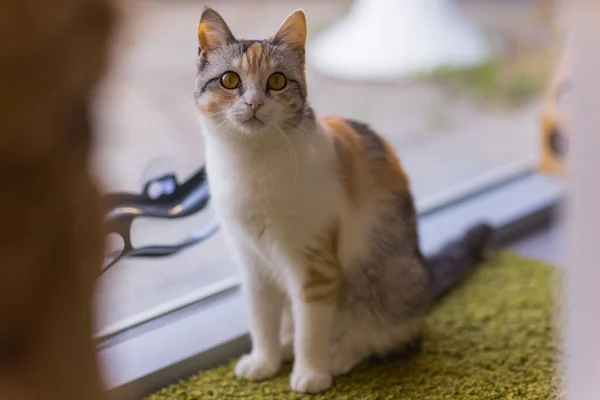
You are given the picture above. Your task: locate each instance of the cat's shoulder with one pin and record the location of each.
(359, 148)
(352, 135)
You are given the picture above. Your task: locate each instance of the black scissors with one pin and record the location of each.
(162, 198)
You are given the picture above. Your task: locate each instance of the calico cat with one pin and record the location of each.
(319, 214)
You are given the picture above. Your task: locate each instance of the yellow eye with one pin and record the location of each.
(276, 81)
(230, 80)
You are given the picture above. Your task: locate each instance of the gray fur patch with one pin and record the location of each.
(392, 284)
(372, 140)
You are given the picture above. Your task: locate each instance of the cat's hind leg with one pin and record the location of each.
(361, 341)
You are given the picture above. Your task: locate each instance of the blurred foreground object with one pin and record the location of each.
(582, 301)
(51, 246)
(389, 39)
(554, 130)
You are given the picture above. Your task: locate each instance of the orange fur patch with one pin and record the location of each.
(359, 171)
(206, 37)
(322, 280)
(254, 59)
(391, 175)
(255, 56)
(319, 288)
(219, 99)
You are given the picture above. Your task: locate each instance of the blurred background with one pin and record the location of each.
(457, 86)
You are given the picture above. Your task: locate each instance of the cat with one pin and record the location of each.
(52, 55)
(319, 214)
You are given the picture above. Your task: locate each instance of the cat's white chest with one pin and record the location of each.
(262, 211)
(271, 202)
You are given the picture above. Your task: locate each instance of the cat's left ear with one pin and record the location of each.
(213, 32)
(292, 31)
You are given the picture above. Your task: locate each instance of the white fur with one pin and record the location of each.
(274, 198)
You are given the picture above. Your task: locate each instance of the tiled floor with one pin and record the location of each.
(148, 127)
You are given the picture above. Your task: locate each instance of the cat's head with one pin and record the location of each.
(249, 86)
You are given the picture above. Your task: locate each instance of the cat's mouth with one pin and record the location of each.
(253, 122)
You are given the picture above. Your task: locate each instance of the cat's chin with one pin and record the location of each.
(252, 125)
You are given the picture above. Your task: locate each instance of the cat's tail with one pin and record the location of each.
(456, 259)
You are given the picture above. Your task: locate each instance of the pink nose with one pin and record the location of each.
(255, 104)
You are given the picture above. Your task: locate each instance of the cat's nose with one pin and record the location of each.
(254, 104)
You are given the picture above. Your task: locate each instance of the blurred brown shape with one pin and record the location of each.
(51, 243)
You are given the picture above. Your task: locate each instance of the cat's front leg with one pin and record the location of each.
(311, 373)
(313, 307)
(264, 301)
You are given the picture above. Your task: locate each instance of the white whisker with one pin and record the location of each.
(293, 151)
(304, 133)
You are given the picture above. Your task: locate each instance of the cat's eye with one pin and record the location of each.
(230, 80)
(276, 81)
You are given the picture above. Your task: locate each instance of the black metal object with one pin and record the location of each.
(162, 198)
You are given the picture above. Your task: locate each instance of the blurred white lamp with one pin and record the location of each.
(388, 39)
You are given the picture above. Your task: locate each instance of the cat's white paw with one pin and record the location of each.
(256, 368)
(305, 380)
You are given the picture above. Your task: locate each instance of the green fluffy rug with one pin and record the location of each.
(492, 338)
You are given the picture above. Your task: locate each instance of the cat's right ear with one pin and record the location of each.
(213, 32)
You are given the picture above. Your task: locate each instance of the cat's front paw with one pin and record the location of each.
(256, 368)
(305, 380)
